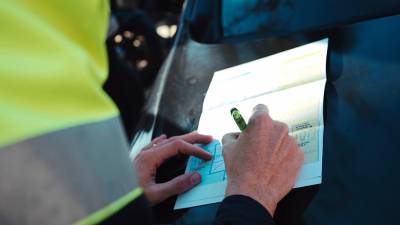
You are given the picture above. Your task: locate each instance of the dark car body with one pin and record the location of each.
(361, 156)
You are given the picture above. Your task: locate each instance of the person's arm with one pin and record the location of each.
(241, 209)
(136, 212)
(262, 164)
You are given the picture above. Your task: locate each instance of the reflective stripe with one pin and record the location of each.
(114, 207)
(64, 176)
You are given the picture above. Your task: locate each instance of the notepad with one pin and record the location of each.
(291, 84)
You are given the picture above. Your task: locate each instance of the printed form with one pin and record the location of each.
(291, 84)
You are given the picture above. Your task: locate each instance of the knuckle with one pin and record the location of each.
(177, 142)
(282, 127)
(174, 138)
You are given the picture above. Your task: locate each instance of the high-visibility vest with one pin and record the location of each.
(63, 156)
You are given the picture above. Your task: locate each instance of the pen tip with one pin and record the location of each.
(234, 109)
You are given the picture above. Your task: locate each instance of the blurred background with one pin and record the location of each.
(141, 34)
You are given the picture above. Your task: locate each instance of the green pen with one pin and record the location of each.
(238, 119)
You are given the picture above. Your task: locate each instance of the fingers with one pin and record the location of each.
(155, 141)
(178, 185)
(230, 137)
(260, 116)
(260, 108)
(179, 146)
(286, 144)
(159, 139)
(192, 138)
(291, 163)
(195, 137)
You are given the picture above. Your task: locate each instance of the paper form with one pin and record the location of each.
(291, 84)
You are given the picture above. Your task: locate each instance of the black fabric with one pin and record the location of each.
(136, 212)
(240, 209)
(234, 210)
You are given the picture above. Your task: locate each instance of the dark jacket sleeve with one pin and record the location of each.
(240, 209)
(234, 210)
(136, 212)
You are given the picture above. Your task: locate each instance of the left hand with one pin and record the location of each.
(161, 149)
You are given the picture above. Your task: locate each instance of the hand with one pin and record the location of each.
(161, 149)
(263, 161)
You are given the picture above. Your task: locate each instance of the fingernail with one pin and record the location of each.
(195, 178)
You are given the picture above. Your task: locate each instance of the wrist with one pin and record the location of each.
(262, 197)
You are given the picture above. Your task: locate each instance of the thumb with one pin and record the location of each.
(260, 107)
(178, 185)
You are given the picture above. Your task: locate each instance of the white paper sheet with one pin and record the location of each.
(291, 84)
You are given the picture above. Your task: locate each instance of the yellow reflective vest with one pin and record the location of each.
(52, 66)
(63, 156)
